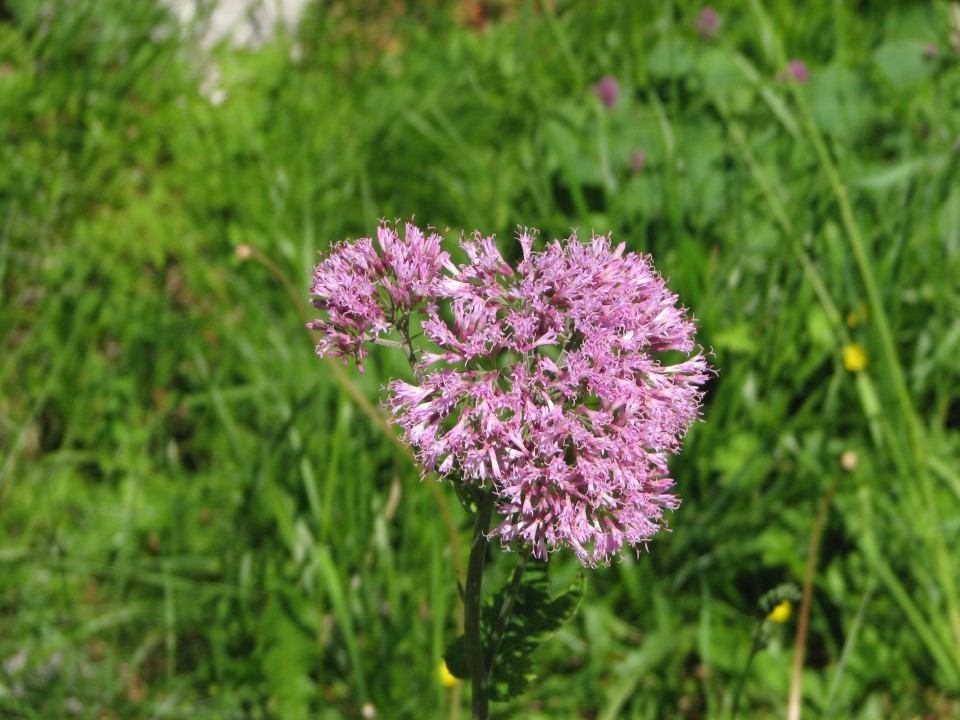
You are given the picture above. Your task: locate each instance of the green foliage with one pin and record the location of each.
(288, 654)
(201, 520)
(533, 618)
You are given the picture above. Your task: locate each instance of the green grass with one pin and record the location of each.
(201, 519)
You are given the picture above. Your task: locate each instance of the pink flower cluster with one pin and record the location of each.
(546, 382)
(367, 291)
(707, 23)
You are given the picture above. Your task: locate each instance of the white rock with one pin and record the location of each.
(242, 23)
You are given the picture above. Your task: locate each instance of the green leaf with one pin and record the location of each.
(739, 338)
(670, 57)
(720, 70)
(288, 654)
(456, 659)
(772, 598)
(567, 151)
(888, 175)
(904, 61)
(534, 618)
(819, 328)
(842, 101)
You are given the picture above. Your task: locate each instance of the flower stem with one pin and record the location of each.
(471, 609)
(403, 327)
(803, 619)
(754, 647)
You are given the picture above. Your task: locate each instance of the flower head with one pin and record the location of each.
(781, 612)
(558, 398)
(608, 90)
(363, 288)
(797, 71)
(858, 316)
(707, 23)
(854, 357)
(562, 384)
(447, 678)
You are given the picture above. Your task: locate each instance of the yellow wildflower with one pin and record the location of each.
(447, 678)
(860, 315)
(781, 612)
(854, 357)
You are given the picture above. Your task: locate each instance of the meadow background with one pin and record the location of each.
(200, 519)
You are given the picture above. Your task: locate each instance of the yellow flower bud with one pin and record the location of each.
(858, 316)
(447, 678)
(854, 357)
(781, 612)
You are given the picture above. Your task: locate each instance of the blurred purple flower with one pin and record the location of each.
(637, 161)
(608, 90)
(707, 23)
(931, 50)
(796, 71)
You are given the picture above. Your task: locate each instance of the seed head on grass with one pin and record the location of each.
(562, 384)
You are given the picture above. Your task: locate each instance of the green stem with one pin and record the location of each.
(471, 609)
(755, 646)
(803, 619)
(403, 326)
